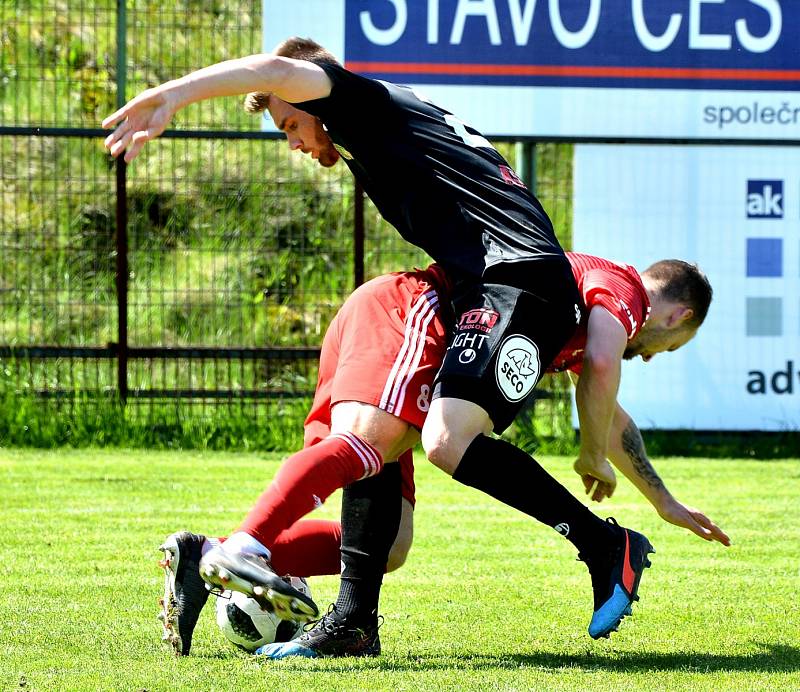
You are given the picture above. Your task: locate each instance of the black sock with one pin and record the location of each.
(515, 478)
(371, 512)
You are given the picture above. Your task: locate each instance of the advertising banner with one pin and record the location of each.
(621, 68)
(736, 212)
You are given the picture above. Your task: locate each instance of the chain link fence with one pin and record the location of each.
(197, 283)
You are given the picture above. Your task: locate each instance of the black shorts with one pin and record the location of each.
(507, 334)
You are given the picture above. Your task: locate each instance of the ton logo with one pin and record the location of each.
(479, 319)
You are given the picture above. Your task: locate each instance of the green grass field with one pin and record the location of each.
(487, 600)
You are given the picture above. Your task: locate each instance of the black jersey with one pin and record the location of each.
(435, 179)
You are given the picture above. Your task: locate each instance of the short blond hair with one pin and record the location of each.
(256, 101)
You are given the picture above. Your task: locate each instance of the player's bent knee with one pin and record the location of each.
(450, 428)
(387, 433)
(440, 450)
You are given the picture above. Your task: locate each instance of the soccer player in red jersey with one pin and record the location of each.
(377, 367)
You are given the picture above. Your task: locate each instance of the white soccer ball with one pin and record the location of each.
(248, 626)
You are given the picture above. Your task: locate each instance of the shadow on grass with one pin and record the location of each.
(773, 658)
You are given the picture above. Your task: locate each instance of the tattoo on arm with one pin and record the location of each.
(633, 444)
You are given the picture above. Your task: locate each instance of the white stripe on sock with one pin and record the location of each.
(369, 457)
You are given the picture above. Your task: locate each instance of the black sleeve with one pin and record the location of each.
(350, 94)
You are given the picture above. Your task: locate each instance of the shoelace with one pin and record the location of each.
(311, 624)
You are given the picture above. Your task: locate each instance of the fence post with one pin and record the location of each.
(358, 233)
(122, 51)
(525, 153)
(122, 219)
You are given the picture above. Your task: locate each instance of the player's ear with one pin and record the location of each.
(679, 316)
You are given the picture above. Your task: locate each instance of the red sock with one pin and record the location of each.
(308, 548)
(306, 479)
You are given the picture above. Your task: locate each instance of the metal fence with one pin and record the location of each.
(206, 272)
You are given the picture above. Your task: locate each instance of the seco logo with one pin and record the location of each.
(518, 367)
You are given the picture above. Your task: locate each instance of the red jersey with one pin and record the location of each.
(616, 287)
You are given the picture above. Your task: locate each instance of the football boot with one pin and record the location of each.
(330, 637)
(615, 579)
(253, 576)
(185, 593)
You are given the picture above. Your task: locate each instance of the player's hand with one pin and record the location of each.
(694, 520)
(140, 120)
(598, 477)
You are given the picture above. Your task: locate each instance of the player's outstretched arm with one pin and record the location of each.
(627, 452)
(596, 396)
(146, 116)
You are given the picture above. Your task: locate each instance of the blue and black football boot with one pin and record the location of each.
(330, 637)
(615, 579)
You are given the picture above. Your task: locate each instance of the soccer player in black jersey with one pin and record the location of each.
(447, 190)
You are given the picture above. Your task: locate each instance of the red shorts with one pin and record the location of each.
(383, 348)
